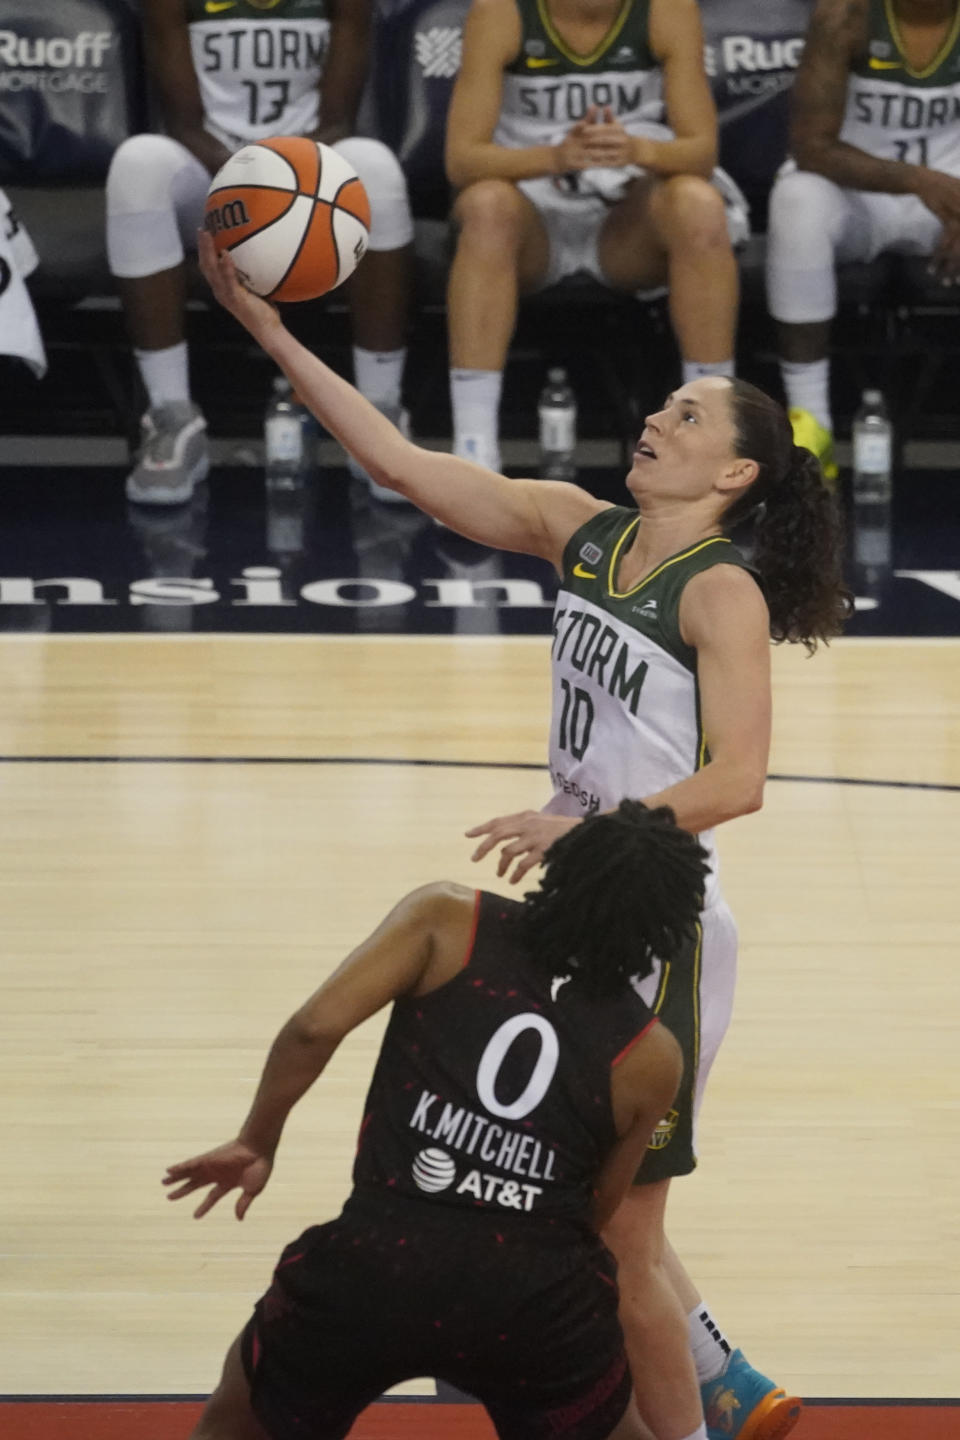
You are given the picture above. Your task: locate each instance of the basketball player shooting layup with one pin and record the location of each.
(661, 647)
(518, 1084)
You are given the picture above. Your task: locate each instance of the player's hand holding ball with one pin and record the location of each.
(293, 215)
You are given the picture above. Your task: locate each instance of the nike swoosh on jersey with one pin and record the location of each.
(582, 574)
(534, 64)
(884, 64)
(213, 7)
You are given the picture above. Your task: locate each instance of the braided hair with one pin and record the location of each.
(618, 891)
(798, 532)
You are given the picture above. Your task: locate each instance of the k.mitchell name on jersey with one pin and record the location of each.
(463, 1129)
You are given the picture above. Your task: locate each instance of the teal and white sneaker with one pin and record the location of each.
(742, 1404)
(173, 455)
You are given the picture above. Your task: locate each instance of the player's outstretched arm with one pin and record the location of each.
(536, 517)
(392, 961)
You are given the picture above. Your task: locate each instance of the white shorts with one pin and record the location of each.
(573, 219)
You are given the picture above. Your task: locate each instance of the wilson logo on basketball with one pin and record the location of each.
(229, 216)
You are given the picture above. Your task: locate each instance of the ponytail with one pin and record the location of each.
(798, 531)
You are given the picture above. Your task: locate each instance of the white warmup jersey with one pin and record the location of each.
(897, 113)
(259, 64)
(626, 705)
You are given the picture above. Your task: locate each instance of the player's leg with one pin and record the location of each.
(502, 250)
(379, 294)
(228, 1415)
(812, 225)
(674, 232)
(155, 193)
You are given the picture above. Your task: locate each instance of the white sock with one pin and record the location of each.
(711, 1349)
(164, 373)
(698, 369)
(700, 1433)
(807, 384)
(378, 374)
(475, 398)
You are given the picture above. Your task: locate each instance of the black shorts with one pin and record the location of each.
(523, 1316)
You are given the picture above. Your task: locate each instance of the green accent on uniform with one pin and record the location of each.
(543, 51)
(212, 10)
(884, 59)
(653, 606)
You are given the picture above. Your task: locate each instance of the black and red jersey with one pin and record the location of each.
(493, 1091)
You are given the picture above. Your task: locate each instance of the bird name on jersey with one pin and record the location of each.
(509, 1150)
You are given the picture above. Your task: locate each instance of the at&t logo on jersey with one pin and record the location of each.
(55, 63)
(433, 1171)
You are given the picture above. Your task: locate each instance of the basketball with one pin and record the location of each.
(292, 213)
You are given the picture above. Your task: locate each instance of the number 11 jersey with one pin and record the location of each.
(626, 704)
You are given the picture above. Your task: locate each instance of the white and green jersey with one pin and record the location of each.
(626, 705)
(549, 87)
(259, 64)
(897, 113)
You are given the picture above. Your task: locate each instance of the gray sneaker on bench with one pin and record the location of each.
(173, 455)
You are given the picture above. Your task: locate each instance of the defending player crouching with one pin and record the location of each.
(518, 1085)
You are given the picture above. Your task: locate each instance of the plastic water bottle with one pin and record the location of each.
(872, 482)
(558, 427)
(283, 438)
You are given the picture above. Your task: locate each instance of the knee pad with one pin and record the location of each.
(155, 188)
(803, 204)
(806, 219)
(391, 223)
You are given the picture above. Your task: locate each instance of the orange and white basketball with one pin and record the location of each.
(293, 214)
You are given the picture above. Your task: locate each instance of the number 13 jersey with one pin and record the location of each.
(626, 704)
(259, 65)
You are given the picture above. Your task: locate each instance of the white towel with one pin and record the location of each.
(19, 331)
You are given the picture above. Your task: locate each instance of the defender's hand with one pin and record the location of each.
(228, 1167)
(531, 834)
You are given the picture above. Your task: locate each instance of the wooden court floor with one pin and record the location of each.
(196, 829)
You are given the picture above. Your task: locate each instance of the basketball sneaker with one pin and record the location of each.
(400, 417)
(808, 432)
(742, 1404)
(173, 455)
